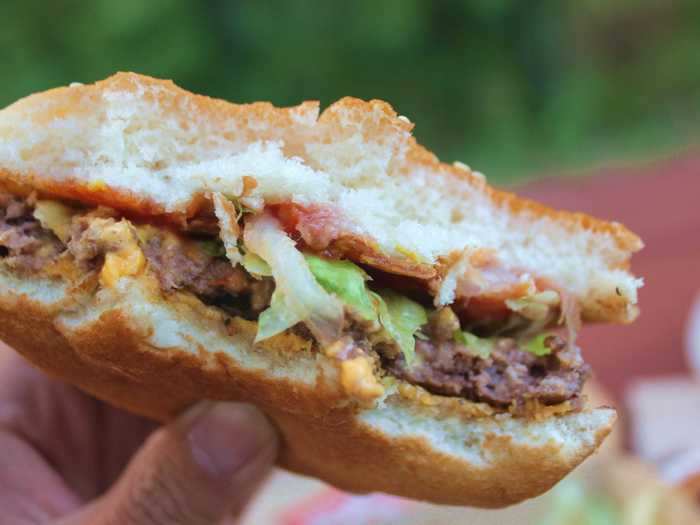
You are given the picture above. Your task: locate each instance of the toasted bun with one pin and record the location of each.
(145, 145)
(133, 348)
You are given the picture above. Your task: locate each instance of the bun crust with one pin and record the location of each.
(132, 348)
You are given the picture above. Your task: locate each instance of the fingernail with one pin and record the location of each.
(224, 437)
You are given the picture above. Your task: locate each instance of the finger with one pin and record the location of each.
(194, 471)
(30, 491)
(88, 443)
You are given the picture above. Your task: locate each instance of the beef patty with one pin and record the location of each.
(507, 377)
(24, 245)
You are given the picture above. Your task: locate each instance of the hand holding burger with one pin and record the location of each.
(69, 459)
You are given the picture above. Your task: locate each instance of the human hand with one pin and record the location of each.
(68, 459)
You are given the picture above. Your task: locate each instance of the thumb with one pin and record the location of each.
(194, 471)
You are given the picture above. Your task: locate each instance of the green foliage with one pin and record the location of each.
(509, 87)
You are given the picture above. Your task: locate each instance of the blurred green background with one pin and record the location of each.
(513, 88)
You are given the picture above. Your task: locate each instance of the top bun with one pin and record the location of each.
(144, 145)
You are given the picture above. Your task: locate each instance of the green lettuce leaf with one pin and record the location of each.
(296, 287)
(346, 280)
(536, 345)
(401, 318)
(477, 345)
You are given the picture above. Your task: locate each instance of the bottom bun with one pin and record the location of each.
(131, 347)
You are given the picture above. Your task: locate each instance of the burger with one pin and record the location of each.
(407, 328)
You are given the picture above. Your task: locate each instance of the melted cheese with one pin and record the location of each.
(127, 259)
(358, 379)
(56, 217)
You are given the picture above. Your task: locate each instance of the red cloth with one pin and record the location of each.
(661, 203)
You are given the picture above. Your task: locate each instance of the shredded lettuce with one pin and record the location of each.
(476, 345)
(276, 318)
(346, 280)
(298, 296)
(401, 318)
(255, 265)
(294, 297)
(536, 345)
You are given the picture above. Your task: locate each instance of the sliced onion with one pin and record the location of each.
(229, 230)
(461, 275)
(466, 280)
(570, 315)
(536, 306)
(296, 289)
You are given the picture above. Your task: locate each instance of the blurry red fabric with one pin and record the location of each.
(659, 201)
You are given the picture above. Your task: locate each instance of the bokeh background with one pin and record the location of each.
(598, 100)
(514, 88)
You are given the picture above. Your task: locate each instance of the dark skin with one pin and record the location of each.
(66, 458)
